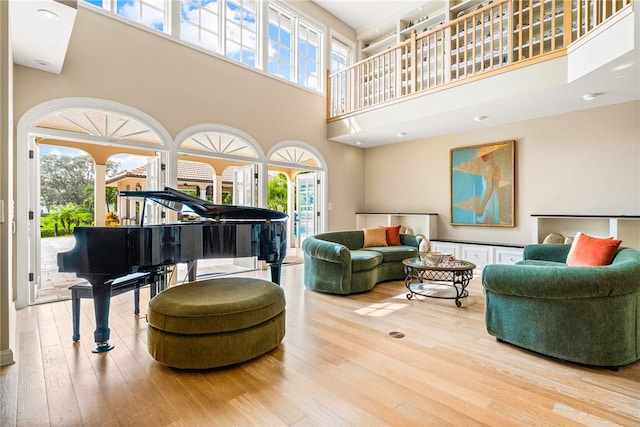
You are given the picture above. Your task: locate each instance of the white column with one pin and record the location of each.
(291, 196)
(99, 194)
(217, 196)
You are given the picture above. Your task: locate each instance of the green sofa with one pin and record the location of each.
(336, 262)
(587, 315)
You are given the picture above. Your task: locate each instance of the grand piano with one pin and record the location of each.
(102, 254)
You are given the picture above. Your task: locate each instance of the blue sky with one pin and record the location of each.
(127, 161)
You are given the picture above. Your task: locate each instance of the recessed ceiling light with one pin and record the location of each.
(49, 14)
(42, 62)
(590, 96)
(622, 67)
(479, 118)
(358, 142)
(401, 134)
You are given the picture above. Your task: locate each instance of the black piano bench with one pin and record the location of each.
(216, 322)
(131, 282)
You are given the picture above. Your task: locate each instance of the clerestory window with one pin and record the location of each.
(280, 49)
(199, 23)
(309, 39)
(340, 53)
(147, 12)
(241, 31)
(287, 45)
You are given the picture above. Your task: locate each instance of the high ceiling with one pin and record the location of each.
(40, 41)
(367, 16)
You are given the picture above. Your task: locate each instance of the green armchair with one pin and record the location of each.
(587, 315)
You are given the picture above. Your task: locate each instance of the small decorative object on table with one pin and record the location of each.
(434, 258)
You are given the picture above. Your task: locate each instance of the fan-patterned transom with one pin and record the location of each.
(294, 156)
(220, 144)
(104, 124)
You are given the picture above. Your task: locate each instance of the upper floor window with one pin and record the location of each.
(340, 53)
(241, 31)
(294, 48)
(291, 45)
(280, 43)
(309, 40)
(148, 12)
(199, 23)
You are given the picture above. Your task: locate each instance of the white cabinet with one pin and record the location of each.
(421, 223)
(480, 254)
(446, 247)
(504, 255)
(623, 227)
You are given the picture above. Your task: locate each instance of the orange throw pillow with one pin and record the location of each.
(375, 237)
(393, 235)
(592, 251)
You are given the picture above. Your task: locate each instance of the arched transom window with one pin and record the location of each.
(106, 125)
(219, 144)
(294, 156)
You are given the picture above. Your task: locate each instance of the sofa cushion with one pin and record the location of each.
(592, 251)
(376, 236)
(393, 235)
(363, 260)
(395, 253)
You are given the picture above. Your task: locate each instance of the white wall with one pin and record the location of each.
(586, 162)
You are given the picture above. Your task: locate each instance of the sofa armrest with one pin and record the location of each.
(410, 240)
(560, 282)
(546, 252)
(327, 251)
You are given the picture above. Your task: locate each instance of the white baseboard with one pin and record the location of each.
(6, 357)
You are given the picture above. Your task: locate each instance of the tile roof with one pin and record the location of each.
(187, 171)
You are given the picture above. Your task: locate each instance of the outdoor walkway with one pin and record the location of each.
(55, 285)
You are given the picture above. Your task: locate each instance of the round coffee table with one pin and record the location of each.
(454, 273)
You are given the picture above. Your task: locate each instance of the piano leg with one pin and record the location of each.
(101, 303)
(275, 268)
(192, 269)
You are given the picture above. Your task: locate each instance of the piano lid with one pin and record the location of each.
(176, 200)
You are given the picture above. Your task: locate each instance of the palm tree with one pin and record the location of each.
(68, 215)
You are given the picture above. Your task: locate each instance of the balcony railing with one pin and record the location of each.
(497, 37)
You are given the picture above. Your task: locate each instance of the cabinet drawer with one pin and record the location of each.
(479, 255)
(448, 248)
(508, 255)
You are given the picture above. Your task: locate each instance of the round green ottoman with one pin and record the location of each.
(216, 322)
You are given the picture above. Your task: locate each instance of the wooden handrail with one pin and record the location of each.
(497, 37)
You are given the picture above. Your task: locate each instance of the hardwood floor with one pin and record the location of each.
(337, 365)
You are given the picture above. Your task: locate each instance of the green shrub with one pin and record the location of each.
(48, 228)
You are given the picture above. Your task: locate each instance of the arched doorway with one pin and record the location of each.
(101, 128)
(239, 179)
(305, 169)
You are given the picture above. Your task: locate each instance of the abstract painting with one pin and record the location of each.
(482, 185)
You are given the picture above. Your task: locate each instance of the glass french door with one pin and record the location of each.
(307, 207)
(155, 181)
(244, 194)
(244, 187)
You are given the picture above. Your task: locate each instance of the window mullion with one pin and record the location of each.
(222, 25)
(174, 18)
(263, 36)
(295, 46)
